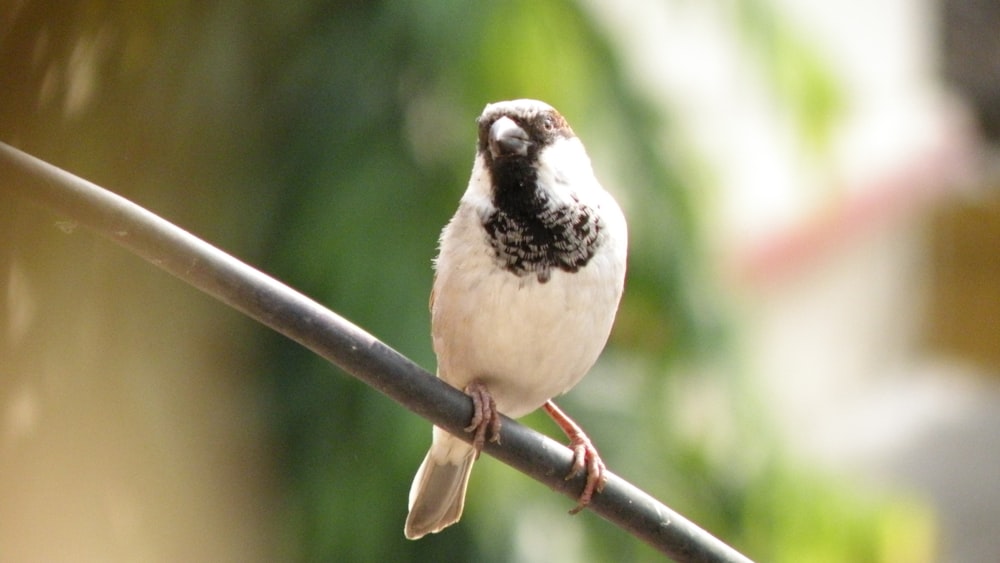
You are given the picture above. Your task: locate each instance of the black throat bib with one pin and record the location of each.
(531, 234)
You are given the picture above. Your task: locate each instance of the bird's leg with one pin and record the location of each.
(485, 416)
(585, 456)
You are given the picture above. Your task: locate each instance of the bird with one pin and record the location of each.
(529, 274)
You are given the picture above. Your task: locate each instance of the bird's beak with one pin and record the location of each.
(508, 139)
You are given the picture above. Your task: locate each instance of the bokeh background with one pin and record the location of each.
(805, 361)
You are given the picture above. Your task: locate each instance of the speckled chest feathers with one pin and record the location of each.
(529, 233)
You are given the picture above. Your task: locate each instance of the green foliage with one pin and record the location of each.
(801, 79)
(790, 516)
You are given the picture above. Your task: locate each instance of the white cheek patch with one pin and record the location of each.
(564, 168)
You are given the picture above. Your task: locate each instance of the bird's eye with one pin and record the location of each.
(548, 123)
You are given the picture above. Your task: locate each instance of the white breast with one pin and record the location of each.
(527, 341)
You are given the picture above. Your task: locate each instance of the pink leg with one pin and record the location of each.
(485, 417)
(585, 456)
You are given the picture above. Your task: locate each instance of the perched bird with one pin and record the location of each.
(527, 282)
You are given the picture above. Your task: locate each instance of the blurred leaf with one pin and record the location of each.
(803, 82)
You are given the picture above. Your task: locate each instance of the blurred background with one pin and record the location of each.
(805, 362)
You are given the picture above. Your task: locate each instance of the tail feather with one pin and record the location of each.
(437, 495)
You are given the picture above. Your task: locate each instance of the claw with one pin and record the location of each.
(485, 417)
(585, 457)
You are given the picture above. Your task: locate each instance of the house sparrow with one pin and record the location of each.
(528, 279)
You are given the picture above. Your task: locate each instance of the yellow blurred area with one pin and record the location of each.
(127, 431)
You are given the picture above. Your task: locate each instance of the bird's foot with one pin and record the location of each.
(485, 416)
(585, 457)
